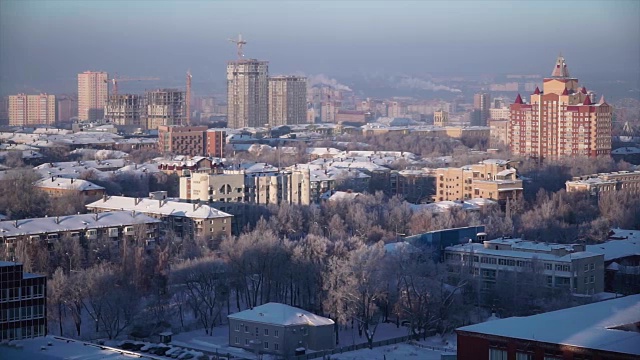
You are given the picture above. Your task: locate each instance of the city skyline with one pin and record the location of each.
(46, 43)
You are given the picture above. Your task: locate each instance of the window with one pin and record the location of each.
(246, 342)
(266, 332)
(593, 266)
(257, 331)
(276, 346)
(523, 356)
(497, 354)
(237, 340)
(266, 345)
(246, 328)
(586, 267)
(593, 279)
(237, 327)
(276, 333)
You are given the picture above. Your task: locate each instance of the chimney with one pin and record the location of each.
(133, 213)
(15, 224)
(159, 202)
(72, 180)
(96, 216)
(104, 198)
(57, 220)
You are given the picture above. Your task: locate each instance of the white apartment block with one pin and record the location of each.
(247, 93)
(287, 100)
(29, 110)
(567, 266)
(93, 91)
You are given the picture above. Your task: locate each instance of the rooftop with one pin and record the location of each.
(592, 326)
(281, 314)
(622, 243)
(163, 207)
(71, 222)
(67, 184)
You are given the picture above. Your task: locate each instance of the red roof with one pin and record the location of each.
(537, 91)
(565, 92)
(584, 90)
(519, 99)
(587, 101)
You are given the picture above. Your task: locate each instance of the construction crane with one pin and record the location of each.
(239, 43)
(116, 80)
(188, 100)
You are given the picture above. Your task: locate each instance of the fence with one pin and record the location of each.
(322, 354)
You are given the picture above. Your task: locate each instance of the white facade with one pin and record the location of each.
(247, 93)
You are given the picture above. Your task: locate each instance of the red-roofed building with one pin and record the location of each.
(561, 120)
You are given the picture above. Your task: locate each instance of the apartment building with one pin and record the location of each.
(184, 219)
(561, 120)
(215, 143)
(481, 106)
(67, 108)
(597, 184)
(247, 93)
(23, 303)
(415, 186)
(93, 90)
(499, 132)
(287, 100)
(182, 140)
(59, 187)
(490, 179)
(567, 266)
(165, 107)
(29, 110)
(237, 186)
(115, 225)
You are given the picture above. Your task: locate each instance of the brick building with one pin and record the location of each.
(562, 120)
(216, 141)
(182, 140)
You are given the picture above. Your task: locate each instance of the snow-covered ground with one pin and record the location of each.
(391, 352)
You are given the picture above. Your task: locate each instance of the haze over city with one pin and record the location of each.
(46, 43)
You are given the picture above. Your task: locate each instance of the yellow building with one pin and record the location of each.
(596, 184)
(490, 179)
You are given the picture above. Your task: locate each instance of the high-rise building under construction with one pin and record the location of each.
(165, 107)
(127, 109)
(247, 93)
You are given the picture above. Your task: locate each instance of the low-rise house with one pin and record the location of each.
(621, 260)
(184, 219)
(280, 329)
(117, 226)
(596, 184)
(567, 266)
(59, 186)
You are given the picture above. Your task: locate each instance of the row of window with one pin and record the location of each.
(26, 292)
(22, 313)
(22, 333)
(265, 344)
(276, 333)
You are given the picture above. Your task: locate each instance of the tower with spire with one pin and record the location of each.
(563, 119)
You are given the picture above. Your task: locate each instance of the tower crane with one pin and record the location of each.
(239, 43)
(116, 80)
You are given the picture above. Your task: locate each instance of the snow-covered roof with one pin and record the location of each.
(72, 222)
(619, 248)
(54, 347)
(592, 326)
(281, 314)
(161, 207)
(477, 248)
(626, 151)
(67, 184)
(343, 195)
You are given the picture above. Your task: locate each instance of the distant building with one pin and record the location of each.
(29, 110)
(23, 303)
(490, 179)
(93, 90)
(247, 93)
(127, 109)
(440, 239)
(351, 116)
(621, 260)
(567, 266)
(562, 120)
(58, 186)
(67, 108)
(503, 113)
(499, 130)
(328, 111)
(481, 106)
(182, 140)
(165, 107)
(440, 118)
(280, 330)
(597, 184)
(601, 330)
(216, 142)
(287, 100)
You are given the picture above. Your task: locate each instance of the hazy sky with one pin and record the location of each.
(45, 43)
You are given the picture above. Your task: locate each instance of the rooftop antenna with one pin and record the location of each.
(239, 43)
